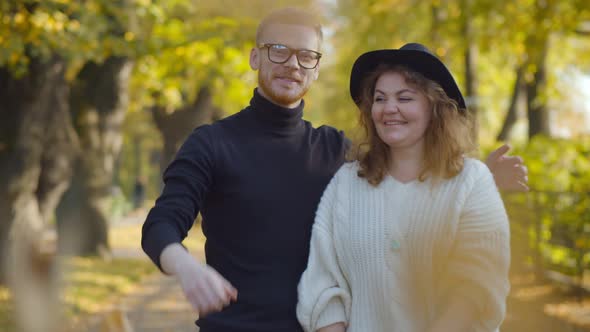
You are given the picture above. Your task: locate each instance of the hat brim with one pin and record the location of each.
(426, 64)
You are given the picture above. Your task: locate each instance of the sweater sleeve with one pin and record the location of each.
(187, 180)
(324, 296)
(480, 259)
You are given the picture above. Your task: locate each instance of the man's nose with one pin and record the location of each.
(292, 62)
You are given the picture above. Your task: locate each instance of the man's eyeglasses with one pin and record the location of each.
(278, 53)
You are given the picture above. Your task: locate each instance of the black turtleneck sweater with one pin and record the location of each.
(256, 177)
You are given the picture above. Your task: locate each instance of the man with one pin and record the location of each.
(256, 177)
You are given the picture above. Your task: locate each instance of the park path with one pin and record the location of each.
(543, 306)
(158, 305)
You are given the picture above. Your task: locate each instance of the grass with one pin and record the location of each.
(94, 283)
(6, 311)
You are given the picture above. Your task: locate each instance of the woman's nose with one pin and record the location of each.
(391, 107)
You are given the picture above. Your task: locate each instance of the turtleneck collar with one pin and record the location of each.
(275, 118)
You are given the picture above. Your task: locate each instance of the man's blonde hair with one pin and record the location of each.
(291, 15)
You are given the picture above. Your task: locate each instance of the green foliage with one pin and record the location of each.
(554, 218)
(78, 31)
(200, 43)
(558, 165)
(178, 45)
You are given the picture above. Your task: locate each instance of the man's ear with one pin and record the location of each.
(254, 59)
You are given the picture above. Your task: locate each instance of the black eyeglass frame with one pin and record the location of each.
(292, 51)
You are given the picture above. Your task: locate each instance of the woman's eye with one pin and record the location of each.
(405, 99)
(378, 99)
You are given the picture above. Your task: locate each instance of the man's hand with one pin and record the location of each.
(509, 172)
(205, 289)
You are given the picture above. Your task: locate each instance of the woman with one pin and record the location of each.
(412, 235)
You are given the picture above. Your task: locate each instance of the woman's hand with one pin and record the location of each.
(336, 327)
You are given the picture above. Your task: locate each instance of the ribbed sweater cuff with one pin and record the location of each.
(333, 313)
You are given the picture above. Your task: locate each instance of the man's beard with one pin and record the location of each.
(281, 99)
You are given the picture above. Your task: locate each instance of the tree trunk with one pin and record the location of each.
(61, 147)
(471, 97)
(537, 111)
(512, 114)
(37, 145)
(36, 148)
(435, 23)
(470, 63)
(177, 125)
(537, 47)
(98, 103)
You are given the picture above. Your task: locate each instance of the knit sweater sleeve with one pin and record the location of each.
(480, 259)
(324, 296)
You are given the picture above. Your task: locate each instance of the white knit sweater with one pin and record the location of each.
(388, 258)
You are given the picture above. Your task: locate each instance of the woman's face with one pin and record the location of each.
(400, 112)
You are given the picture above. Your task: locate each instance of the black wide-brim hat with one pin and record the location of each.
(414, 56)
